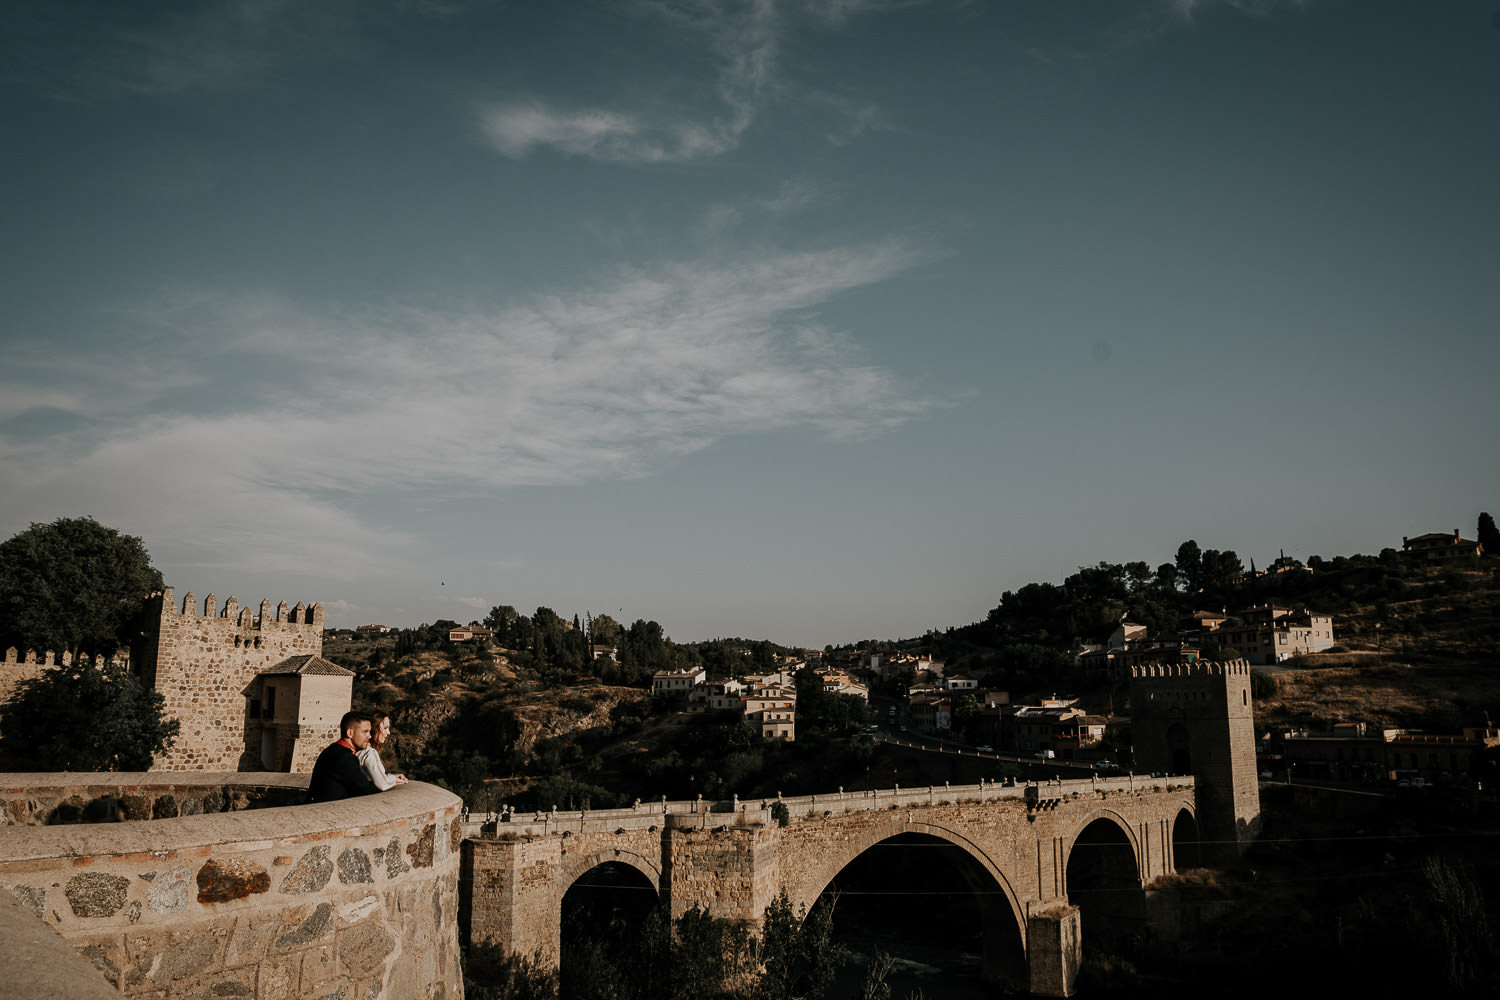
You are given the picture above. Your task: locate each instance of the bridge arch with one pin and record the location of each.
(1110, 816)
(804, 892)
(583, 864)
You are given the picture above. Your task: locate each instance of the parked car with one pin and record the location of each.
(984, 749)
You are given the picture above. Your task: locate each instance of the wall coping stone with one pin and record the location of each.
(354, 817)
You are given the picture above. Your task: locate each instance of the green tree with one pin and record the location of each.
(73, 585)
(85, 718)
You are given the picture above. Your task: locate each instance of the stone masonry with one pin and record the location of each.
(205, 666)
(733, 859)
(1198, 718)
(352, 900)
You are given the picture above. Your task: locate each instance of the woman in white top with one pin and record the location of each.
(369, 757)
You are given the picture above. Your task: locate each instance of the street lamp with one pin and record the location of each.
(1377, 644)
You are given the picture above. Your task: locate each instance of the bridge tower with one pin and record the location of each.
(1198, 719)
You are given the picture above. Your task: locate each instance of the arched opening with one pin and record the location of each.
(1178, 749)
(1187, 852)
(609, 922)
(1104, 882)
(935, 909)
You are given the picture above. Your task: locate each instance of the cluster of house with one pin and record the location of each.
(1055, 725)
(1352, 753)
(766, 701)
(1263, 634)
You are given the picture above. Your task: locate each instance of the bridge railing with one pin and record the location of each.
(704, 813)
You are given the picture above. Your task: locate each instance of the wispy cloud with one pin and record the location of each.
(321, 408)
(746, 40)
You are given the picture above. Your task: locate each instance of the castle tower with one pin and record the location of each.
(215, 671)
(1197, 718)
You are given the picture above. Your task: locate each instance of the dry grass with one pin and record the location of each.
(1387, 695)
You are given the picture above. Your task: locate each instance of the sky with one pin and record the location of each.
(813, 321)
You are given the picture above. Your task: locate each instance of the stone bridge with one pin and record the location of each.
(1018, 848)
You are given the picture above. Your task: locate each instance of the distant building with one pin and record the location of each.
(1268, 633)
(1353, 754)
(773, 711)
(677, 681)
(1439, 547)
(468, 632)
(371, 630)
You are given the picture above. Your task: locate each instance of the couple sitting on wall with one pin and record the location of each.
(352, 765)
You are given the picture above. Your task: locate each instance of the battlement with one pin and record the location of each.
(14, 657)
(1195, 671)
(299, 614)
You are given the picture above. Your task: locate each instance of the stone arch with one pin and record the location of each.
(1187, 849)
(584, 864)
(1110, 816)
(805, 890)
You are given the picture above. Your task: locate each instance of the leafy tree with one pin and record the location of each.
(799, 956)
(1189, 564)
(1489, 535)
(86, 718)
(73, 585)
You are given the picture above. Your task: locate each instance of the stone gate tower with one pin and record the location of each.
(252, 691)
(1197, 718)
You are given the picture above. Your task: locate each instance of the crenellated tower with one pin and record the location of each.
(1198, 718)
(220, 672)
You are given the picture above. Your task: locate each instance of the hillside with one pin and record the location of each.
(505, 725)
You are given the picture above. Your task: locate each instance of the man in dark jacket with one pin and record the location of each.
(337, 774)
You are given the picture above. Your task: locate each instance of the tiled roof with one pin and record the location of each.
(309, 663)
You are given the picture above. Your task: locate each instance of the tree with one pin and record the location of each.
(1189, 562)
(1489, 535)
(72, 586)
(86, 718)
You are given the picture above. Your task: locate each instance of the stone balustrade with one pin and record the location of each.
(706, 813)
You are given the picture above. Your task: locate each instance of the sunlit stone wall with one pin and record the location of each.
(355, 899)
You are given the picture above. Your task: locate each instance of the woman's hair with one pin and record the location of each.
(376, 718)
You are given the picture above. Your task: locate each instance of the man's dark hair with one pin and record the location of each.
(351, 719)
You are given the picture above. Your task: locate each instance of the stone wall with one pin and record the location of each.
(355, 900)
(204, 663)
(54, 799)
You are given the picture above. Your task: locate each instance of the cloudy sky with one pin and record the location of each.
(812, 321)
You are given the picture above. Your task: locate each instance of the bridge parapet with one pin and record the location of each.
(711, 813)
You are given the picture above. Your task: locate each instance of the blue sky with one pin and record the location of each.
(807, 321)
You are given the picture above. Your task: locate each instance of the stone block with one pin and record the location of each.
(395, 864)
(171, 891)
(319, 968)
(232, 878)
(236, 984)
(354, 866)
(278, 978)
(96, 895)
(420, 850)
(310, 874)
(250, 940)
(363, 949)
(315, 926)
